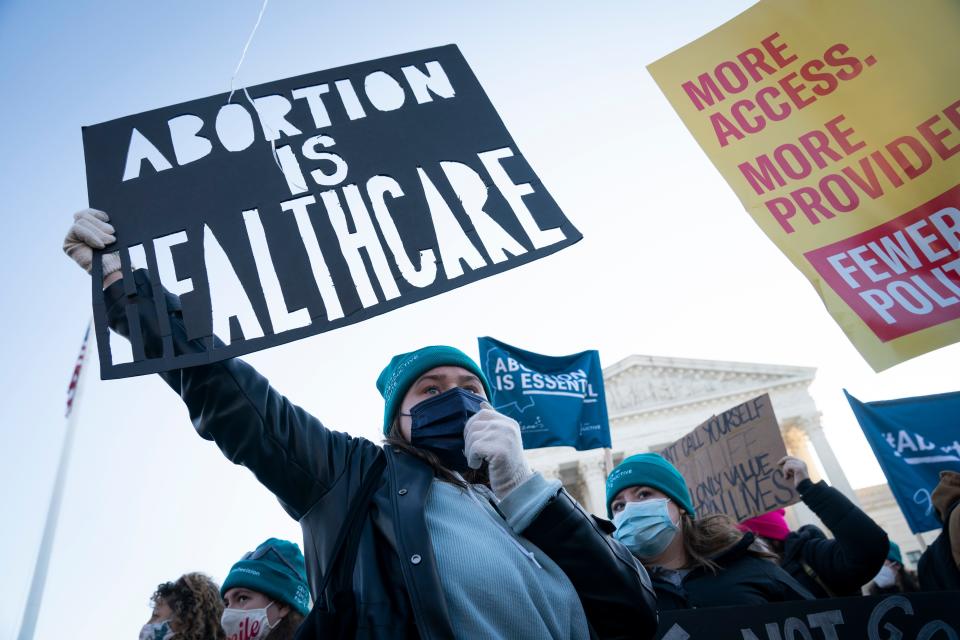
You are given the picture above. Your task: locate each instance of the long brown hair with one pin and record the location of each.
(196, 604)
(471, 476)
(704, 538)
(286, 629)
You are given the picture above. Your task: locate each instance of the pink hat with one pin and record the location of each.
(771, 525)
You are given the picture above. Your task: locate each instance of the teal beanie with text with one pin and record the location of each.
(404, 369)
(277, 570)
(650, 470)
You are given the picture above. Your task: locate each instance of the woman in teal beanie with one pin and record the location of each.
(694, 562)
(266, 593)
(459, 539)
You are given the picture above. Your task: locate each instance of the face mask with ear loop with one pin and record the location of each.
(248, 624)
(156, 630)
(438, 423)
(645, 527)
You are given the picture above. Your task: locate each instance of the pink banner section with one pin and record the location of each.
(901, 276)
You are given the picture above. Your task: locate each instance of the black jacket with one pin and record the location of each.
(937, 569)
(743, 579)
(315, 471)
(842, 565)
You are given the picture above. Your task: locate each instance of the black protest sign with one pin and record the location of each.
(917, 616)
(730, 462)
(311, 203)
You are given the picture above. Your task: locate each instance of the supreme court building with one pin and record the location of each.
(653, 401)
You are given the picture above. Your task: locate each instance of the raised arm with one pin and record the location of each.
(286, 448)
(859, 546)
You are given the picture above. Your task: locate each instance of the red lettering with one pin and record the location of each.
(826, 83)
(935, 138)
(810, 204)
(787, 150)
(767, 108)
(704, 95)
(737, 111)
(834, 59)
(817, 144)
(775, 50)
(753, 61)
(782, 209)
(793, 91)
(953, 114)
(724, 129)
(731, 76)
(923, 157)
(853, 200)
(842, 135)
(764, 177)
(869, 183)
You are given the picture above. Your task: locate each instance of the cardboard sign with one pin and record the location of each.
(907, 615)
(838, 126)
(557, 400)
(306, 204)
(730, 462)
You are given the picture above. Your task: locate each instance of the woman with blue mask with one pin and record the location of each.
(693, 562)
(457, 537)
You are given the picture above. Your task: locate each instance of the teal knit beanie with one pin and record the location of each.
(275, 569)
(404, 369)
(651, 470)
(893, 554)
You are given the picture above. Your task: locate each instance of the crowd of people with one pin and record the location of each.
(445, 531)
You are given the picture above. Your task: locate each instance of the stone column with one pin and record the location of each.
(798, 445)
(831, 466)
(595, 482)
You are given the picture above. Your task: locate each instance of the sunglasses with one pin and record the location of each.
(263, 551)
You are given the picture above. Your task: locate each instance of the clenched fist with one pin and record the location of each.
(91, 230)
(793, 469)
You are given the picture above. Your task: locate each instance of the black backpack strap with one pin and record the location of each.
(344, 556)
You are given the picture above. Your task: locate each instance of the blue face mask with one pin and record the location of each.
(645, 527)
(438, 424)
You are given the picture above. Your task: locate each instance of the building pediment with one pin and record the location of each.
(639, 384)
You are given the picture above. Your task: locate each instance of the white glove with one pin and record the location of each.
(91, 230)
(494, 437)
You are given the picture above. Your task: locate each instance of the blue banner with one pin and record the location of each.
(914, 439)
(558, 401)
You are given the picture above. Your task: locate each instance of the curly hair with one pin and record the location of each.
(196, 604)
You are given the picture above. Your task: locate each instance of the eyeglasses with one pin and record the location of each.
(263, 551)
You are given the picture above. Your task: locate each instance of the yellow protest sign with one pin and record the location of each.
(837, 123)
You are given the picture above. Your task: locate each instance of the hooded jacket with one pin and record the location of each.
(743, 579)
(939, 566)
(315, 472)
(841, 566)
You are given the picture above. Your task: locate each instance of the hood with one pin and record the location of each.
(946, 493)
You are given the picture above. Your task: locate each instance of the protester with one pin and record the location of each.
(514, 557)
(939, 566)
(893, 577)
(694, 562)
(188, 609)
(266, 593)
(826, 568)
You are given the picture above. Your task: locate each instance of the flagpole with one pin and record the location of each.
(35, 597)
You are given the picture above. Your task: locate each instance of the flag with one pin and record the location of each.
(558, 400)
(75, 378)
(914, 439)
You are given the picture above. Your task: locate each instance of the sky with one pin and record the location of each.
(670, 264)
